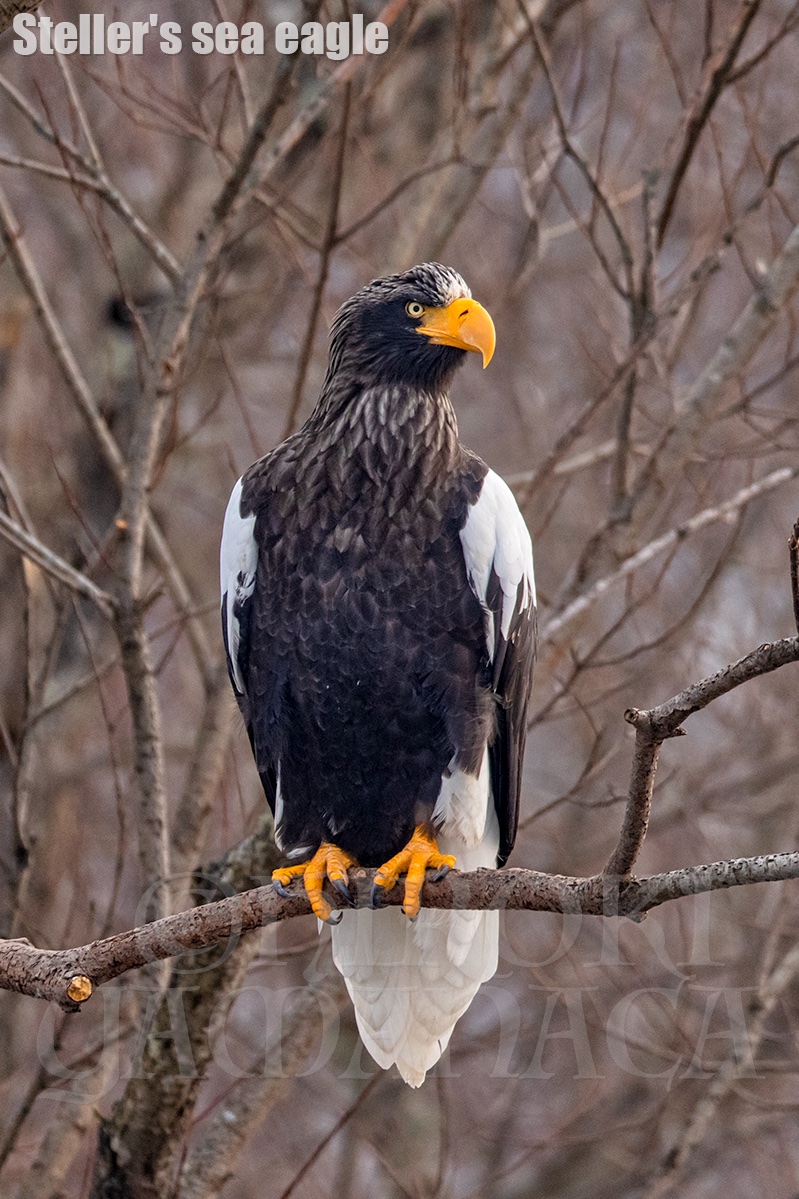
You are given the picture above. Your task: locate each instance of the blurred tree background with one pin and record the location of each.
(618, 184)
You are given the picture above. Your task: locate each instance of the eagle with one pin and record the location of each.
(378, 612)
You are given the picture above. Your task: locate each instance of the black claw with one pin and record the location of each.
(281, 890)
(343, 890)
(377, 897)
(334, 918)
(442, 872)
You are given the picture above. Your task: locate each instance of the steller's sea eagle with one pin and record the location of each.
(378, 608)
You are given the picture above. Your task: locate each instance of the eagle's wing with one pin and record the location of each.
(499, 563)
(238, 566)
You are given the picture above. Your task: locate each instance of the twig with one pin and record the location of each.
(86, 403)
(10, 8)
(793, 548)
(314, 1156)
(660, 544)
(568, 466)
(718, 80)
(54, 565)
(95, 177)
(694, 1130)
(212, 1157)
(328, 244)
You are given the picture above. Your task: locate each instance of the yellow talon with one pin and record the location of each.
(329, 862)
(420, 854)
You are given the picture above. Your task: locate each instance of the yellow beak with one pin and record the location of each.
(464, 324)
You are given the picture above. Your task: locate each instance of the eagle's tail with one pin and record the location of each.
(410, 983)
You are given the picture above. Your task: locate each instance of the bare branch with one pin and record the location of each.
(639, 798)
(10, 8)
(211, 1159)
(68, 977)
(328, 244)
(655, 726)
(86, 403)
(54, 564)
(695, 1129)
(665, 542)
(718, 79)
(94, 176)
(793, 549)
(148, 748)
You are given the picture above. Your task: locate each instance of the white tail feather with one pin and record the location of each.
(410, 983)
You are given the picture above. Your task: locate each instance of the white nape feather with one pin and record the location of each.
(238, 562)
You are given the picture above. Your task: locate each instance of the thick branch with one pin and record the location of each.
(68, 976)
(148, 752)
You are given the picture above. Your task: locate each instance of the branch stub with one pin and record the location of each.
(80, 988)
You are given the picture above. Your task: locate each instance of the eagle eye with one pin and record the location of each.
(414, 308)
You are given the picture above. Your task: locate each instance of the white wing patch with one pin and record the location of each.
(496, 537)
(238, 561)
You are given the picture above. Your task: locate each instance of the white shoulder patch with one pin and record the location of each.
(238, 561)
(496, 537)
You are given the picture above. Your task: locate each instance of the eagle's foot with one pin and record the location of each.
(329, 862)
(419, 855)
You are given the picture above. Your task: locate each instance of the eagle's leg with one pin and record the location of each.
(420, 854)
(329, 862)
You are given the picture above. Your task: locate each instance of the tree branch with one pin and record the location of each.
(30, 279)
(665, 541)
(719, 77)
(793, 549)
(657, 725)
(68, 976)
(694, 1129)
(54, 565)
(10, 8)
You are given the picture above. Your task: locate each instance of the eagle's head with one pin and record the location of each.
(412, 328)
